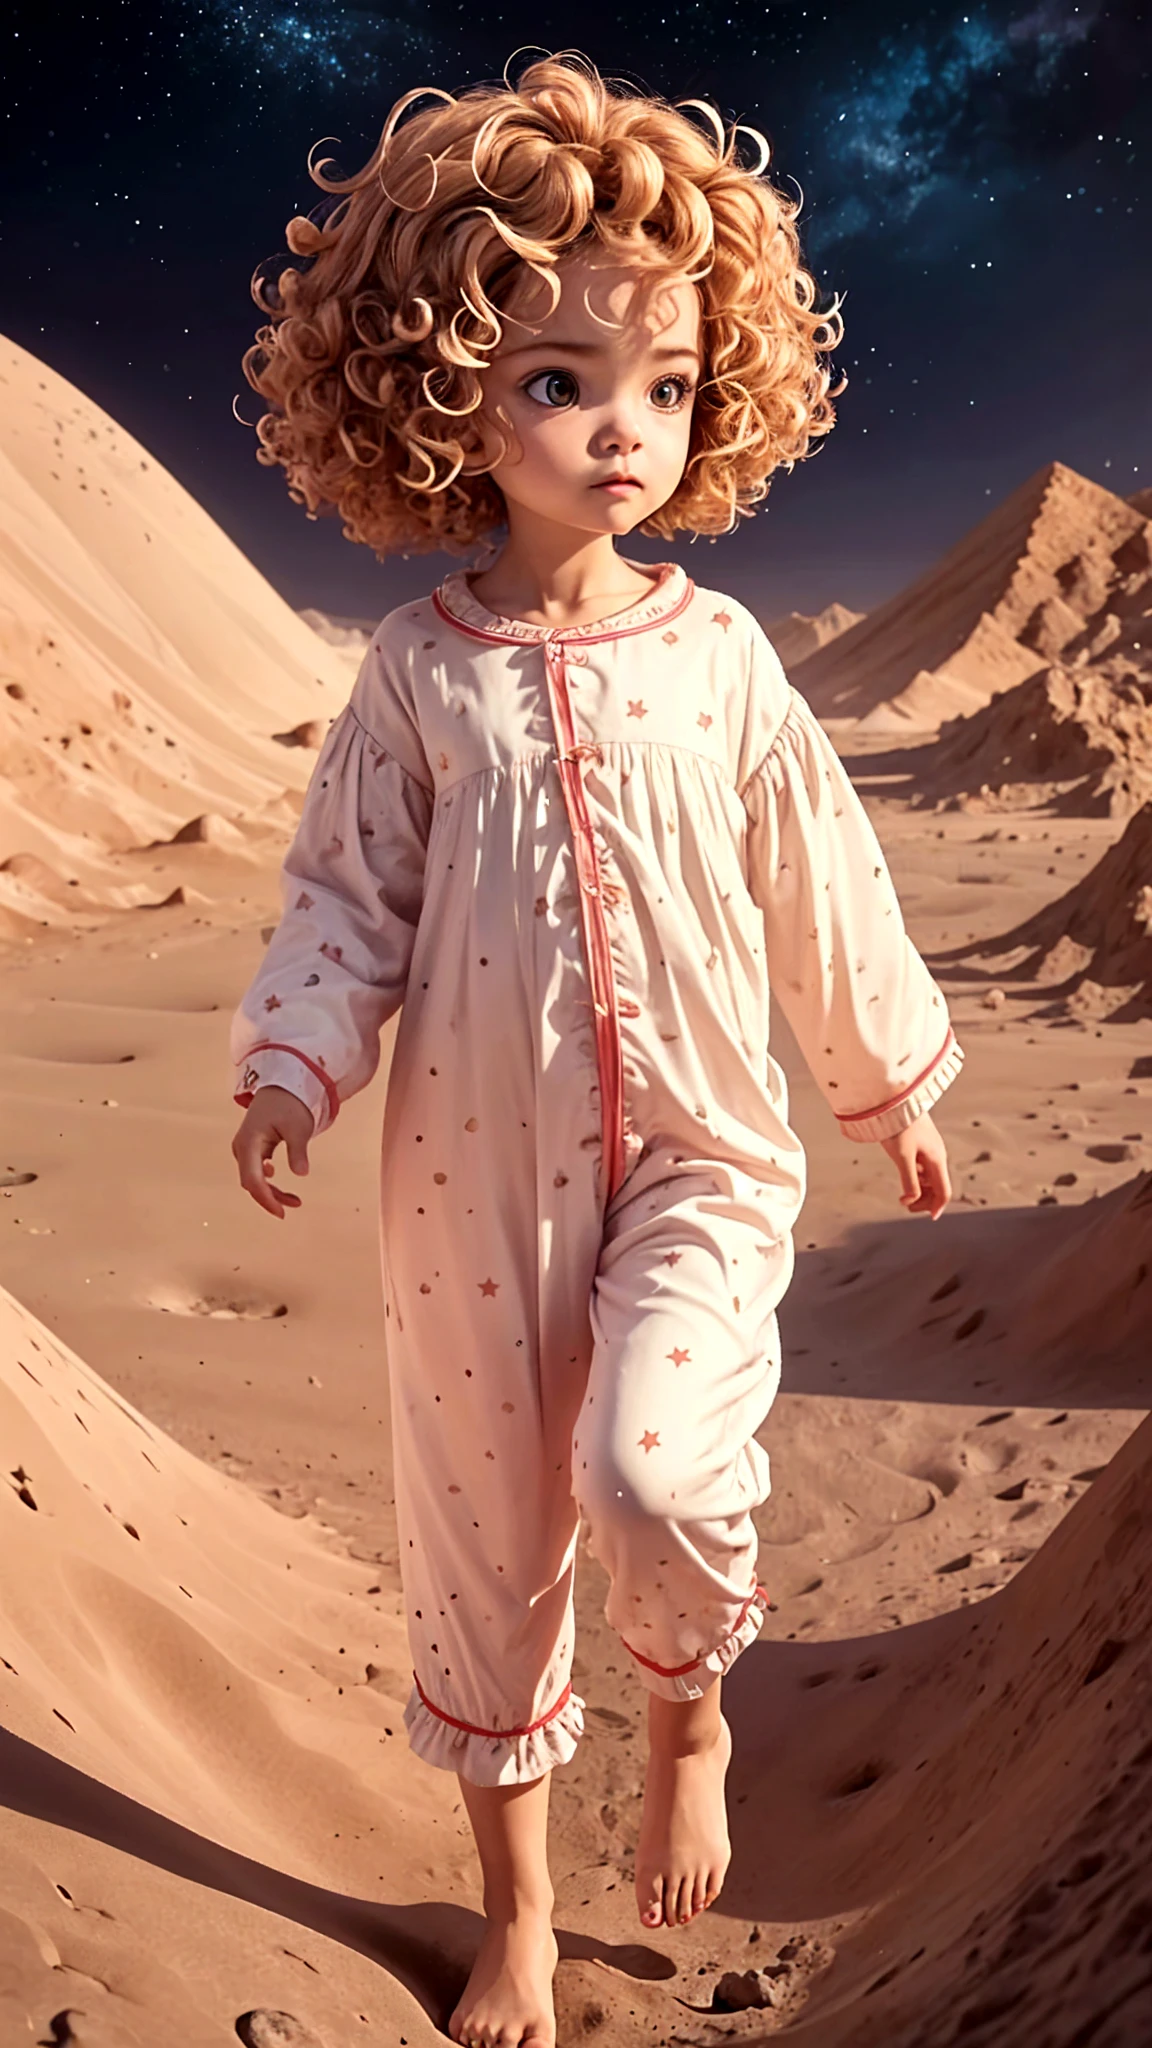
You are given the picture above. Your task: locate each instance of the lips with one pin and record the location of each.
(619, 482)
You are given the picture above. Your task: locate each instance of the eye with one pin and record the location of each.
(679, 384)
(680, 387)
(549, 377)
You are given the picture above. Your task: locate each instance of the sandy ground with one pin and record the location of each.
(940, 1792)
(215, 1809)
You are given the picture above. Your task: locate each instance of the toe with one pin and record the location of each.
(651, 1902)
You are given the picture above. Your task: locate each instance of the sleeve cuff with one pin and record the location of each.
(895, 1115)
(281, 1066)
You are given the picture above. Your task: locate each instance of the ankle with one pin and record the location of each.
(684, 1728)
(502, 1908)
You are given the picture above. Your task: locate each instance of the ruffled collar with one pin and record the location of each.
(670, 589)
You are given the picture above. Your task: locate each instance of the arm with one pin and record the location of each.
(336, 967)
(869, 1019)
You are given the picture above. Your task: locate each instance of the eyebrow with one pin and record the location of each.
(593, 348)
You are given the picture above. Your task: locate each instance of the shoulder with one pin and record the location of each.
(743, 631)
(385, 695)
(759, 676)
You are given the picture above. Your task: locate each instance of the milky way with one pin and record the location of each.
(976, 177)
(941, 104)
(306, 46)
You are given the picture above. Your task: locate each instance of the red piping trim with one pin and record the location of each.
(578, 634)
(594, 927)
(272, 1045)
(677, 1670)
(597, 946)
(853, 1116)
(468, 1729)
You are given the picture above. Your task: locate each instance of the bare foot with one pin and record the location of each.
(684, 1849)
(507, 2001)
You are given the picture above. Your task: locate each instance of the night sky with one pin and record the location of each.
(978, 184)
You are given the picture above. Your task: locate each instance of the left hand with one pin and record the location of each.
(922, 1162)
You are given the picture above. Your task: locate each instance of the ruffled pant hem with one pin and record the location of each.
(693, 1683)
(487, 1758)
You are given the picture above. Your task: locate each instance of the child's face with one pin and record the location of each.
(586, 403)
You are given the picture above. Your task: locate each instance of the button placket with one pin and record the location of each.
(598, 952)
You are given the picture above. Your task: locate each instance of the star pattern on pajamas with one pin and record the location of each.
(579, 862)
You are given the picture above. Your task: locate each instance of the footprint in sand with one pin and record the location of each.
(22, 1487)
(861, 1779)
(264, 2028)
(77, 1056)
(219, 1308)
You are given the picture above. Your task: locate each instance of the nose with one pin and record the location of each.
(620, 434)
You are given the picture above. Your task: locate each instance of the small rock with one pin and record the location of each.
(992, 999)
(1065, 1180)
(747, 1990)
(1111, 1154)
(309, 733)
(267, 2029)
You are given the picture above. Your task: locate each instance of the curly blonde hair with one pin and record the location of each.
(373, 362)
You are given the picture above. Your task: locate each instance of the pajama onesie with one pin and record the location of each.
(581, 859)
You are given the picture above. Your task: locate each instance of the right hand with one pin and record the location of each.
(272, 1115)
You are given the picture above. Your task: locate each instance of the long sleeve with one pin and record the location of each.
(867, 1015)
(336, 967)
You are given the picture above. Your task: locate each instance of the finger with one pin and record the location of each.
(262, 1193)
(257, 1183)
(297, 1153)
(244, 1150)
(935, 1187)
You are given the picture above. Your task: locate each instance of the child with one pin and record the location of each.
(578, 823)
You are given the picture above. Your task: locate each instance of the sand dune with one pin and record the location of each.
(145, 663)
(1061, 570)
(796, 635)
(202, 1724)
(351, 635)
(1076, 741)
(212, 1811)
(939, 1794)
(1092, 945)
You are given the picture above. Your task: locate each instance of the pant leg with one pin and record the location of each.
(488, 1352)
(685, 1367)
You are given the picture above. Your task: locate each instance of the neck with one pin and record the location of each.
(556, 573)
